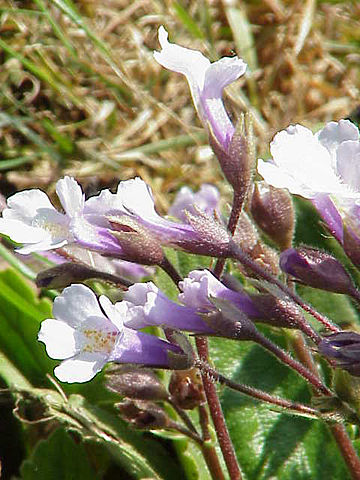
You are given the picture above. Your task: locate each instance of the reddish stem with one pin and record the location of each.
(217, 415)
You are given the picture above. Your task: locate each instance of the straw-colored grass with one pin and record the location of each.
(82, 95)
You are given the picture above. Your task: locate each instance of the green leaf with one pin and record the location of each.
(334, 305)
(269, 443)
(58, 458)
(20, 317)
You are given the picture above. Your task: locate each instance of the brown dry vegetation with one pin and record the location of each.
(82, 95)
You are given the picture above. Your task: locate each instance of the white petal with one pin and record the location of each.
(58, 338)
(44, 246)
(76, 304)
(70, 195)
(111, 312)
(299, 154)
(103, 203)
(190, 63)
(81, 368)
(20, 232)
(138, 293)
(348, 163)
(220, 74)
(136, 197)
(133, 316)
(279, 178)
(334, 133)
(25, 205)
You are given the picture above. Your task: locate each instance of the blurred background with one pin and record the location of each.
(82, 95)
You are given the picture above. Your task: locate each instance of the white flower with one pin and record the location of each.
(206, 81)
(81, 334)
(310, 164)
(88, 332)
(32, 220)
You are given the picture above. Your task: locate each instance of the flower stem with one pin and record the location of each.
(347, 450)
(217, 415)
(183, 415)
(258, 394)
(236, 208)
(169, 268)
(237, 253)
(338, 431)
(284, 357)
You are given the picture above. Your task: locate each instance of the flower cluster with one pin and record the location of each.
(123, 232)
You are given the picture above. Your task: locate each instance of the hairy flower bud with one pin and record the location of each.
(344, 347)
(137, 242)
(136, 383)
(186, 389)
(248, 239)
(67, 273)
(277, 310)
(237, 160)
(317, 269)
(143, 414)
(272, 209)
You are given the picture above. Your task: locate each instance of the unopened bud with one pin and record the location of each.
(136, 383)
(230, 322)
(277, 310)
(344, 347)
(186, 389)
(317, 269)
(237, 161)
(248, 239)
(138, 243)
(272, 209)
(212, 237)
(142, 414)
(68, 273)
(351, 244)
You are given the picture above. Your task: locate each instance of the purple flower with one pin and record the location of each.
(317, 269)
(206, 199)
(32, 220)
(145, 305)
(201, 285)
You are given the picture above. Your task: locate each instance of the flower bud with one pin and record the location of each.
(67, 273)
(137, 242)
(143, 414)
(272, 209)
(237, 160)
(277, 310)
(213, 238)
(344, 347)
(230, 322)
(351, 244)
(136, 383)
(317, 269)
(186, 389)
(247, 237)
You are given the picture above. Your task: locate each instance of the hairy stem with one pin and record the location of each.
(169, 268)
(284, 357)
(236, 208)
(257, 394)
(217, 415)
(338, 431)
(183, 415)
